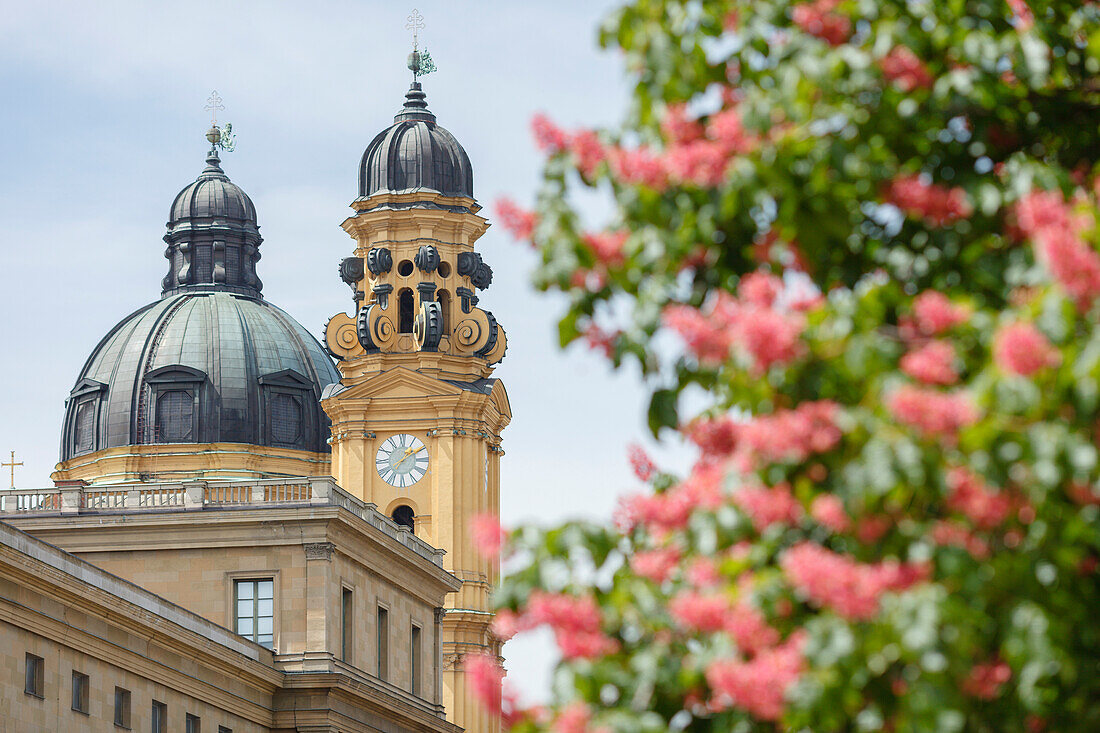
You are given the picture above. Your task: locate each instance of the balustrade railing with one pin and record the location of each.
(204, 495)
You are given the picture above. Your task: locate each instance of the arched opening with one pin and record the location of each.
(405, 311)
(404, 515)
(445, 306)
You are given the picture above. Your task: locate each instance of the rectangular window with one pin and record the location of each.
(122, 708)
(383, 643)
(255, 610)
(414, 651)
(160, 717)
(80, 692)
(194, 725)
(346, 616)
(35, 682)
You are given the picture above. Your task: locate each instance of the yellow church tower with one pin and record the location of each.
(417, 416)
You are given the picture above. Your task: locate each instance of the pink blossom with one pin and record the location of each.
(485, 679)
(1023, 18)
(640, 462)
(936, 205)
(766, 507)
(817, 19)
(760, 289)
(715, 436)
(487, 534)
(601, 340)
(702, 572)
(678, 127)
(838, 582)
(508, 623)
(749, 628)
(584, 645)
(954, 534)
(1045, 217)
(902, 67)
(969, 495)
(727, 130)
(708, 340)
(828, 511)
(638, 167)
(588, 151)
(933, 313)
(788, 435)
(932, 413)
(656, 565)
(1022, 349)
(574, 718)
(592, 280)
(698, 612)
(670, 510)
(520, 223)
(606, 246)
(759, 685)
(770, 337)
(575, 622)
(767, 335)
(701, 162)
(985, 680)
(548, 136)
(931, 363)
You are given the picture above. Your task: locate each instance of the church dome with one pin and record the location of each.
(202, 367)
(415, 154)
(211, 362)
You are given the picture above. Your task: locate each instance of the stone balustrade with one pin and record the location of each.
(205, 495)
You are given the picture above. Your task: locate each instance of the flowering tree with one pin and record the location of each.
(868, 229)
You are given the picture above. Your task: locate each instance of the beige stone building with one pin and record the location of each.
(252, 531)
(245, 607)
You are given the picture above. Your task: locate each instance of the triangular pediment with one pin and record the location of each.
(397, 383)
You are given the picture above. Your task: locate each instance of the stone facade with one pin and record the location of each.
(175, 566)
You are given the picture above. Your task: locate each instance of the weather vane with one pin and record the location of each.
(219, 137)
(420, 62)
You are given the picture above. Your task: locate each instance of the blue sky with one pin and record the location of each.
(103, 123)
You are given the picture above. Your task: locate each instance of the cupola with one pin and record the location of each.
(415, 154)
(213, 239)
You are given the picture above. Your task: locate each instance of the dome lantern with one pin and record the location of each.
(213, 238)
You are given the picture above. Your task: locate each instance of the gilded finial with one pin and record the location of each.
(219, 137)
(420, 62)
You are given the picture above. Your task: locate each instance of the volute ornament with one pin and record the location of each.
(473, 332)
(427, 259)
(428, 327)
(482, 277)
(379, 260)
(351, 270)
(468, 263)
(374, 329)
(342, 337)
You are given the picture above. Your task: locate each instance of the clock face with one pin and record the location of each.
(402, 460)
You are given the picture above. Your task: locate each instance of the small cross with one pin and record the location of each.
(214, 103)
(13, 464)
(414, 23)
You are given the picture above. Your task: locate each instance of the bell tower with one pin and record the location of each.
(417, 415)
